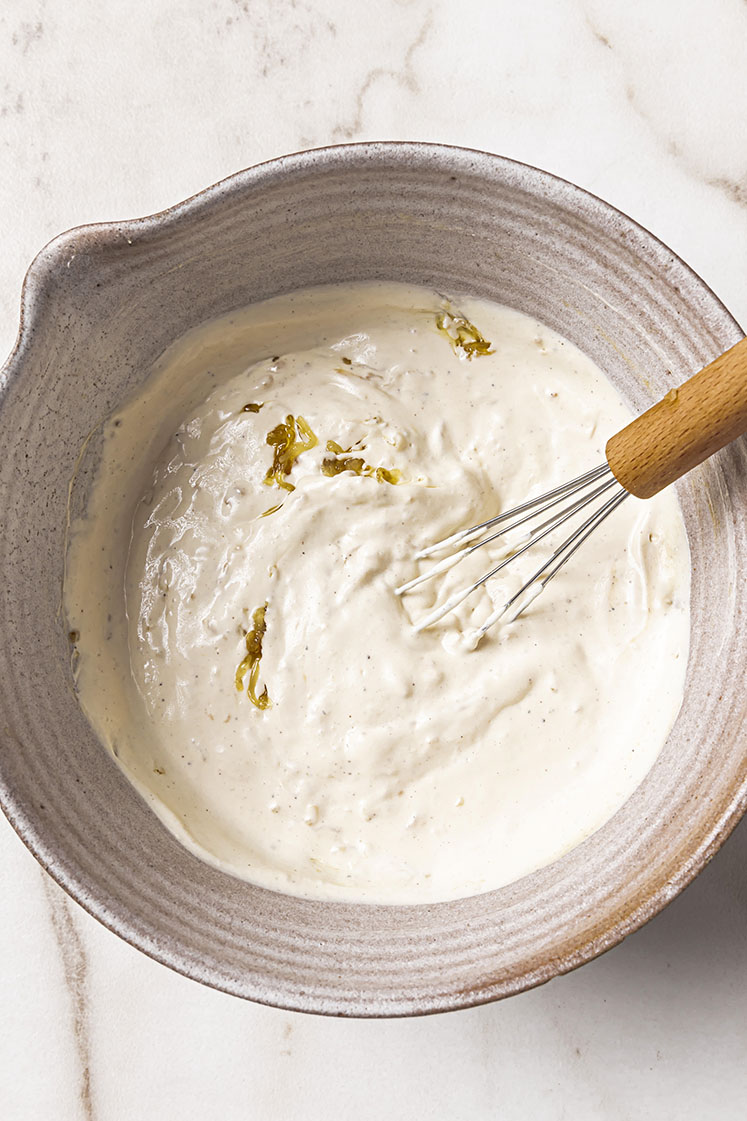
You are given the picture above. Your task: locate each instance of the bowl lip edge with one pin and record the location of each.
(35, 282)
(458, 999)
(36, 277)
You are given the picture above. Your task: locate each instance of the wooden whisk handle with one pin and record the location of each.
(684, 428)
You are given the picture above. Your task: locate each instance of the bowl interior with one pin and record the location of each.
(100, 305)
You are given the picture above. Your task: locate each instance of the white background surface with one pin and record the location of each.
(116, 108)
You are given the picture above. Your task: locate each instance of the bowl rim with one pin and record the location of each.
(57, 253)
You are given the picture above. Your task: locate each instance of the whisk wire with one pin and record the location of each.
(564, 552)
(577, 539)
(546, 500)
(516, 517)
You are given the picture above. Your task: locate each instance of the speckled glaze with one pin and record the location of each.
(100, 304)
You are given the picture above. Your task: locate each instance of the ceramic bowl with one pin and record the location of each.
(100, 304)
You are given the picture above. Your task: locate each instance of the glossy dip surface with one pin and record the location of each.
(241, 651)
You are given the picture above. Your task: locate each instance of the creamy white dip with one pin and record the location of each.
(388, 765)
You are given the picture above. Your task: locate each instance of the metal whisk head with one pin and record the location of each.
(598, 489)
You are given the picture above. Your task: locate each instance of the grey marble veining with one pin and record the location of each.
(121, 109)
(71, 948)
(401, 76)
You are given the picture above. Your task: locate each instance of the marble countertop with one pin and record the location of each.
(118, 108)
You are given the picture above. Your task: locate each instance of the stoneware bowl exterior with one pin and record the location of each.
(100, 304)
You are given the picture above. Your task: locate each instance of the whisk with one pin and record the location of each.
(685, 427)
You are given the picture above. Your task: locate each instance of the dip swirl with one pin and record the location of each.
(239, 646)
